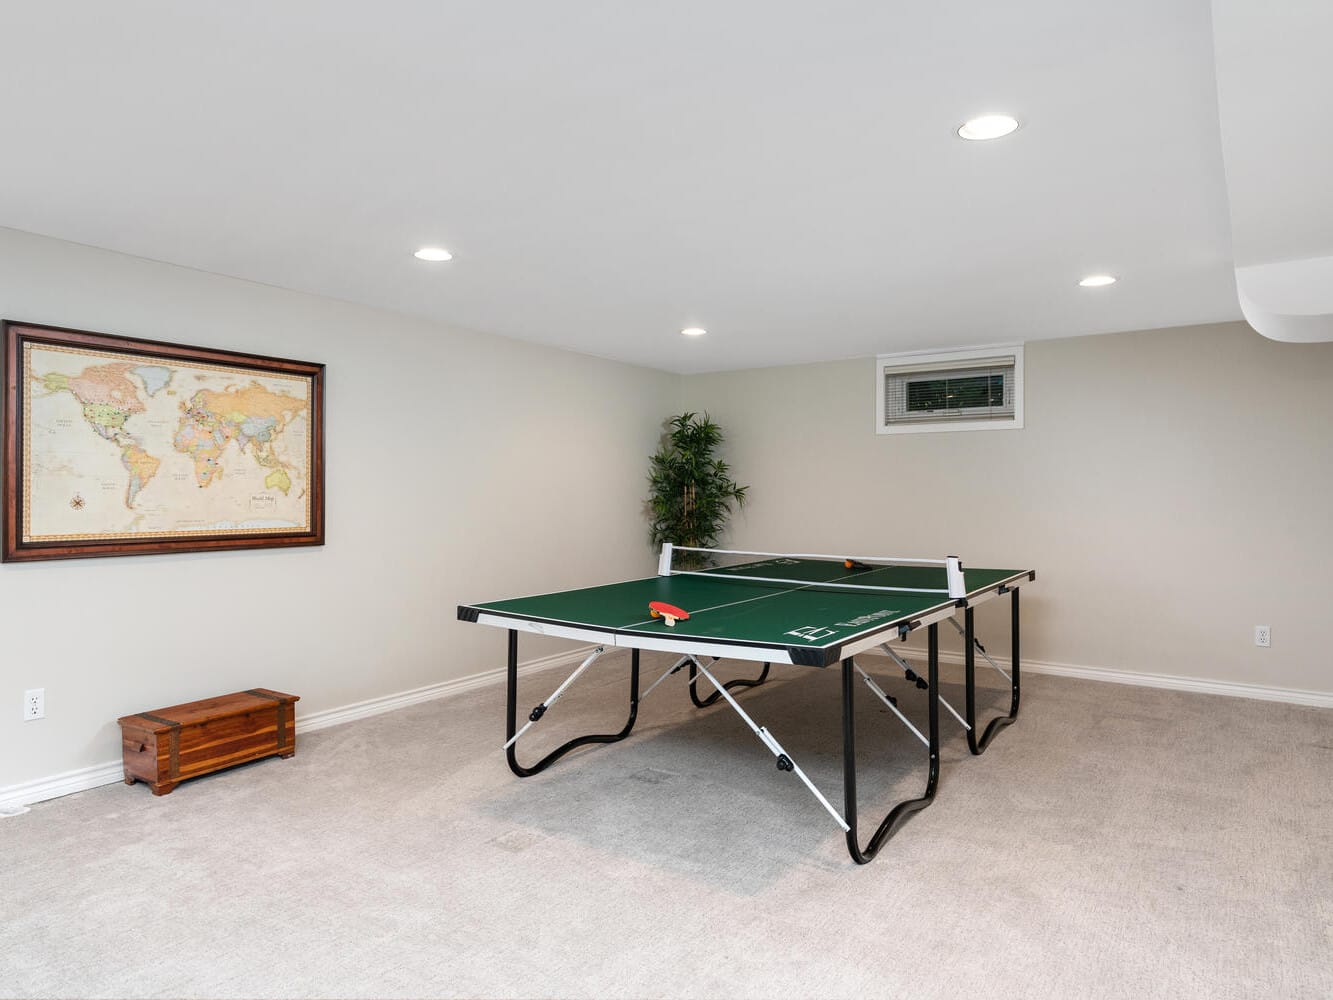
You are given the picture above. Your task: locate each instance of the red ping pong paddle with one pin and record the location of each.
(669, 612)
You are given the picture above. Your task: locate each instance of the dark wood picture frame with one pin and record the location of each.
(17, 546)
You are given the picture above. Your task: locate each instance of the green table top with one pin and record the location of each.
(808, 611)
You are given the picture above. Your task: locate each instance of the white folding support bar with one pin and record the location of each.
(907, 666)
(888, 703)
(770, 741)
(980, 649)
(676, 666)
(540, 710)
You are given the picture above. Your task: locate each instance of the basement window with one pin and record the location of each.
(979, 389)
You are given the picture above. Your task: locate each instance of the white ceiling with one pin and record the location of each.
(785, 174)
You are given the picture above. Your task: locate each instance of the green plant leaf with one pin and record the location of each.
(690, 489)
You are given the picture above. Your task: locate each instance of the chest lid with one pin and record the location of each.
(192, 713)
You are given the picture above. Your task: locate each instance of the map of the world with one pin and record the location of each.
(118, 446)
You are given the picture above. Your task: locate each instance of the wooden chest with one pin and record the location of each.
(167, 745)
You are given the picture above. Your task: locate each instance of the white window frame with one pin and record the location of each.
(927, 361)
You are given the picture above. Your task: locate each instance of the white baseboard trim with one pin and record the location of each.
(387, 703)
(1173, 682)
(13, 798)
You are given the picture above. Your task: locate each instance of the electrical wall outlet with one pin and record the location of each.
(1263, 636)
(34, 704)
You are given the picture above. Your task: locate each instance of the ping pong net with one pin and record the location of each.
(817, 570)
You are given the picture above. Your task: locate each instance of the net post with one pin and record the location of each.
(664, 560)
(954, 571)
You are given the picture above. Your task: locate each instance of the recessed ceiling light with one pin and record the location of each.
(988, 127)
(1097, 280)
(693, 331)
(433, 254)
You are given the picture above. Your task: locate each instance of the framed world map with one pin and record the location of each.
(118, 446)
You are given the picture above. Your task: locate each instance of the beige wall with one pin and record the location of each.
(460, 468)
(1172, 489)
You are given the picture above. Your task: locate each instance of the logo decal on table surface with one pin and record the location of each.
(812, 633)
(866, 619)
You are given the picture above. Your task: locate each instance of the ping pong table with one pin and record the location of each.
(775, 608)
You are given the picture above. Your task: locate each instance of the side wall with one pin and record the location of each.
(1171, 488)
(460, 468)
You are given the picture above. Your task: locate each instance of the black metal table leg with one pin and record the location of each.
(899, 813)
(975, 744)
(512, 712)
(729, 685)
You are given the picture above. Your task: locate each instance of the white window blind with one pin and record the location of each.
(976, 389)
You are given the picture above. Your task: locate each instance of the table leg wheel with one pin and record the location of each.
(784, 763)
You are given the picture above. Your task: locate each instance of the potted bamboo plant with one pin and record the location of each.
(691, 488)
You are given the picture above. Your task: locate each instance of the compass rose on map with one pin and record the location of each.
(77, 502)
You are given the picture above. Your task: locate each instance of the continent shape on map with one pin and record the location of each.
(252, 416)
(109, 398)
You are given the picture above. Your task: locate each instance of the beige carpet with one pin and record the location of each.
(1116, 842)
